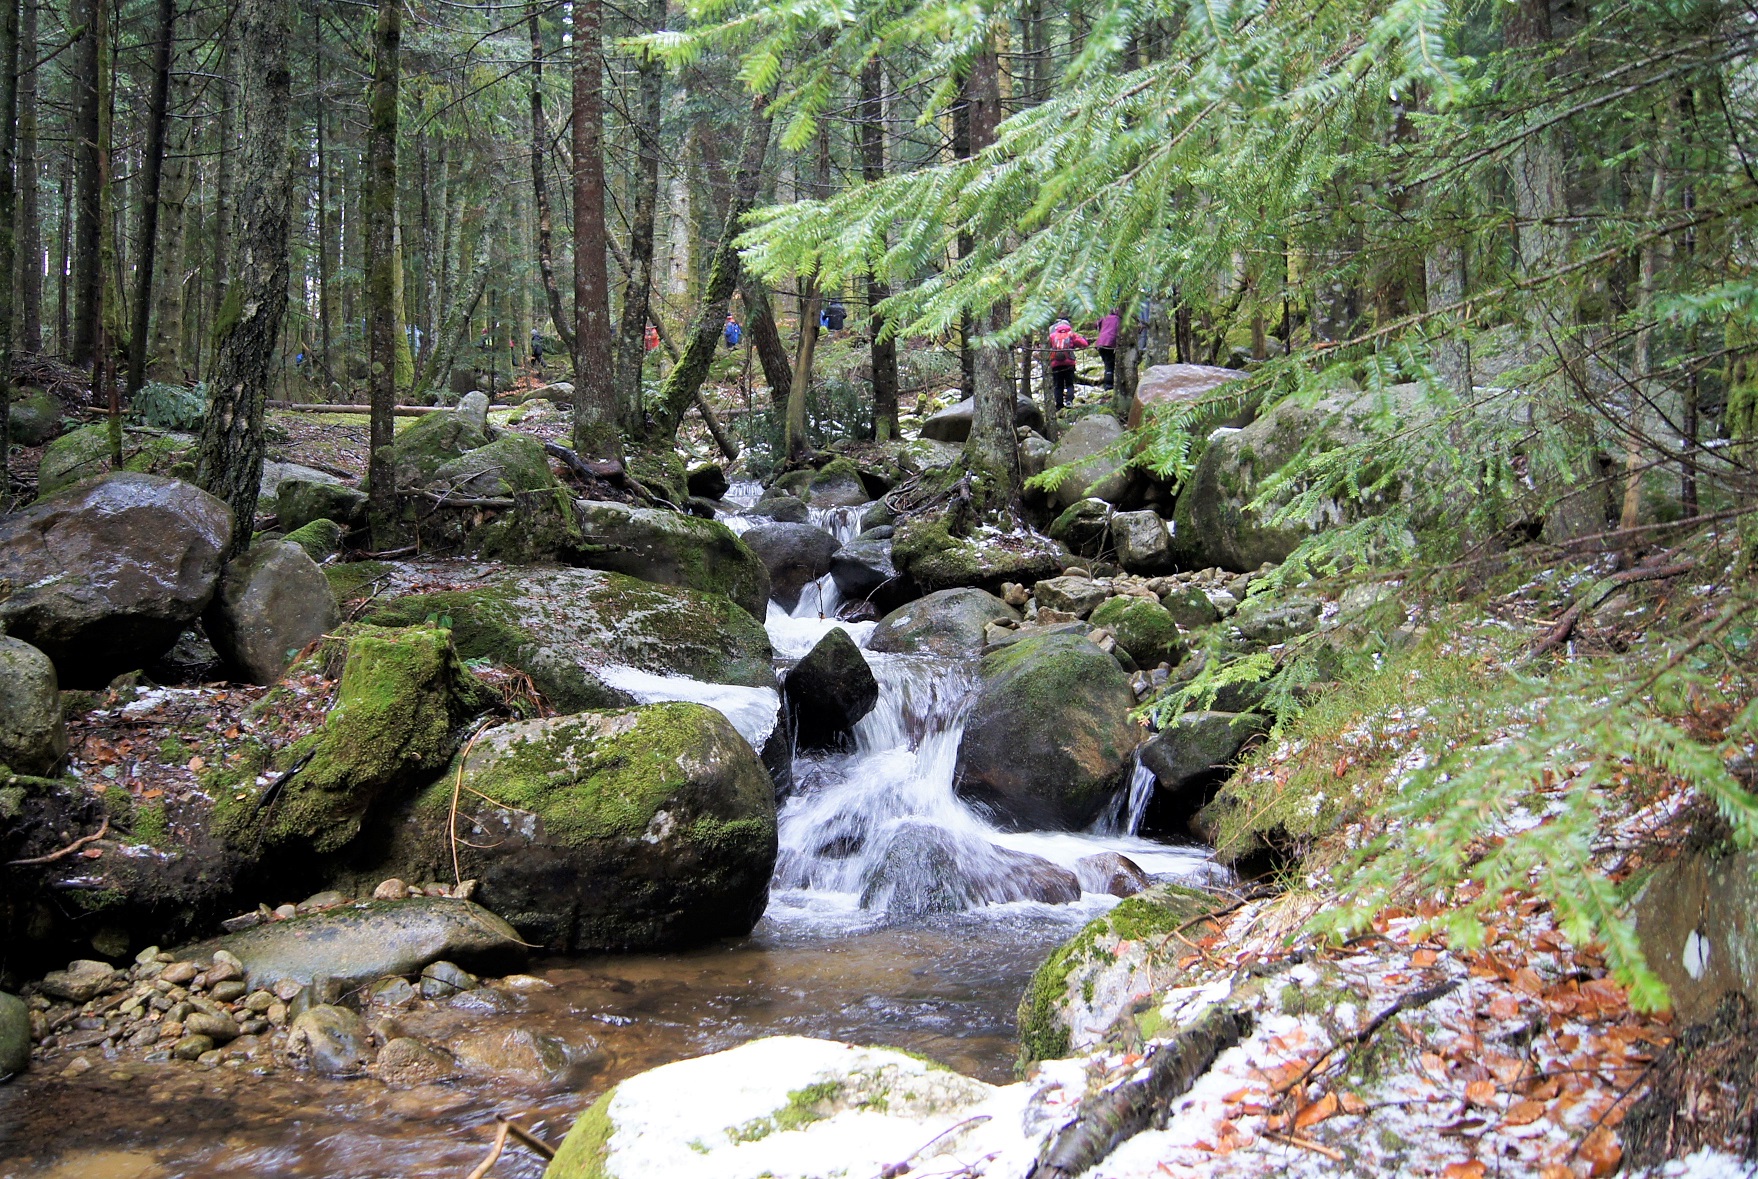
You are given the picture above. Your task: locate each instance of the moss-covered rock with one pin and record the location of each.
(36, 417)
(837, 484)
(926, 551)
(949, 623)
(1143, 628)
(33, 737)
(662, 473)
(399, 710)
(562, 626)
(1049, 740)
(321, 539)
(509, 464)
(673, 549)
(639, 828)
(300, 501)
(1084, 526)
(85, 452)
(430, 442)
(1079, 994)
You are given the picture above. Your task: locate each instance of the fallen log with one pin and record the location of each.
(402, 411)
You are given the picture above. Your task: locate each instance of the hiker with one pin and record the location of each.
(1063, 341)
(835, 315)
(732, 332)
(651, 337)
(1106, 343)
(536, 350)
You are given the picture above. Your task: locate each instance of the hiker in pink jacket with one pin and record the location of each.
(1063, 341)
(1107, 345)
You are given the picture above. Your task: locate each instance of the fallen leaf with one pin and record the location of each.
(232, 733)
(1239, 1095)
(1433, 1064)
(1524, 1113)
(1481, 1092)
(1568, 1042)
(1504, 1006)
(1556, 1171)
(1353, 1104)
(155, 792)
(195, 764)
(1423, 959)
(92, 853)
(1317, 1112)
(1471, 1169)
(1602, 1152)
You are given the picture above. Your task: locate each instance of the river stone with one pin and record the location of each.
(1143, 628)
(771, 1106)
(829, 691)
(85, 454)
(1182, 384)
(1194, 745)
(863, 570)
(83, 980)
(1085, 527)
(1189, 607)
(103, 577)
(787, 509)
(1095, 475)
(32, 735)
(192, 1047)
(926, 552)
(1110, 872)
(641, 828)
(442, 979)
(1078, 596)
(15, 1035)
(949, 623)
(35, 417)
(563, 627)
(218, 1028)
(837, 484)
(708, 482)
(672, 548)
(1049, 740)
(510, 464)
(273, 472)
(926, 869)
(407, 1061)
(360, 943)
(272, 602)
(516, 1054)
(953, 424)
(795, 555)
(1144, 546)
(1269, 620)
(333, 1039)
(300, 501)
(1034, 453)
(473, 409)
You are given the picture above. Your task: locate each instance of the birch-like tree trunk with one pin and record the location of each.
(165, 349)
(152, 181)
(383, 285)
(993, 448)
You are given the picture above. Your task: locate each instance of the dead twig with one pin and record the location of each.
(530, 1141)
(1335, 1155)
(494, 1152)
(458, 785)
(62, 853)
(893, 1170)
(1559, 634)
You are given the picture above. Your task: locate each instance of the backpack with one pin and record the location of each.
(733, 335)
(1061, 347)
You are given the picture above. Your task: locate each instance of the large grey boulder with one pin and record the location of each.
(1096, 474)
(1196, 744)
(837, 484)
(473, 409)
(275, 472)
(359, 943)
(830, 690)
(1144, 545)
(103, 577)
(949, 623)
(1049, 739)
(85, 454)
(787, 509)
(1183, 384)
(1143, 628)
(32, 735)
(674, 549)
(1268, 619)
(510, 464)
(272, 602)
(640, 828)
(795, 555)
(1085, 527)
(300, 501)
(432, 441)
(953, 424)
(863, 571)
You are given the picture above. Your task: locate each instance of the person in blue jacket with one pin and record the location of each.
(732, 331)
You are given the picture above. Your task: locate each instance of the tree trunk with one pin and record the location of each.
(766, 339)
(87, 224)
(595, 401)
(993, 447)
(30, 223)
(164, 356)
(379, 205)
(1541, 202)
(152, 176)
(326, 269)
(454, 329)
(226, 126)
(884, 349)
(685, 378)
(540, 189)
(229, 463)
(638, 285)
(797, 444)
(8, 208)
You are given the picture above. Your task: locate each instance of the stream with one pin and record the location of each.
(818, 964)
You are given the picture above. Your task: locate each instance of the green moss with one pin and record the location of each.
(152, 825)
(1144, 629)
(587, 1146)
(84, 453)
(172, 751)
(661, 472)
(349, 581)
(804, 1106)
(120, 806)
(321, 539)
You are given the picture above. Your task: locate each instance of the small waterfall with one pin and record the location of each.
(842, 523)
(1124, 815)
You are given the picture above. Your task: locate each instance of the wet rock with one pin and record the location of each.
(390, 890)
(1097, 474)
(1144, 546)
(795, 555)
(392, 992)
(356, 944)
(33, 737)
(1085, 527)
(1075, 596)
(407, 1061)
(191, 660)
(1195, 744)
(15, 1035)
(1143, 628)
(1049, 739)
(837, 484)
(829, 691)
(517, 1054)
(433, 440)
(949, 623)
(929, 555)
(1182, 385)
(1189, 607)
(35, 417)
(787, 509)
(708, 481)
(636, 828)
(953, 424)
(272, 601)
(673, 549)
(863, 570)
(226, 992)
(191, 1048)
(1269, 620)
(564, 626)
(219, 1029)
(1111, 872)
(321, 539)
(85, 454)
(83, 980)
(333, 1040)
(511, 464)
(106, 575)
(298, 502)
(441, 980)
(926, 869)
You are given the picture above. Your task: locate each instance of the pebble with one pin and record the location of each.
(259, 1001)
(229, 991)
(442, 979)
(214, 1028)
(179, 974)
(282, 912)
(390, 890)
(191, 1047)
(327, 899)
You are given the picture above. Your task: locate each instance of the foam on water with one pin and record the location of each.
(752, 711)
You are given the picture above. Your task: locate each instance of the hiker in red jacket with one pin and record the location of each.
(1063, 341)
(1106, 343)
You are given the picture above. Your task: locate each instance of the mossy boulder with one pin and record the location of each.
(432, 441)
(829, 691)
(85, 452)
(300, 501)
(33, 737)
(662, 473)
(1084, 526)
(35, 416)
(321, 539)
(1190, 753)
(795, 555)
(1049, 740)
(1143, 628)
(708, 481)
(641, 828)
(837, 484)
(510, 464)
(949, 623)
(563, 626)
(930, 554)
(1098, 472)
(1088, 984)
(671, 548)
(397, 717)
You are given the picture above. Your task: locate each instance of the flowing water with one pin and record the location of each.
(826, 960)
